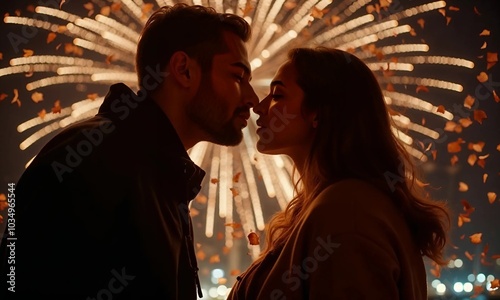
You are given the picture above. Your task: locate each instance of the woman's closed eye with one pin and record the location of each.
(276, 96)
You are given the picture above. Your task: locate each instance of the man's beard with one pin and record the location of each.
(208, 113)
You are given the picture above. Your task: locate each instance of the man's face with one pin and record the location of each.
(221, 107)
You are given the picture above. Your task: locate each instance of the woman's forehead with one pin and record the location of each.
(285, 73)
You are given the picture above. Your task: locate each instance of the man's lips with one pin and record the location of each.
(245, 115)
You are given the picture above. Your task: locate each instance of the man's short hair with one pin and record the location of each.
(196, 30)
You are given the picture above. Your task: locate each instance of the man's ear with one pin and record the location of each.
(182, 68)
(313, 118)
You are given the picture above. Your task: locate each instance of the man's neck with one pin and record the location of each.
(186, 130)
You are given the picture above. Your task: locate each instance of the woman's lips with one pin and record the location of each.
(261, 126)
(260, 129)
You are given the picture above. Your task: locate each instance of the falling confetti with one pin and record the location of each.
(455, 146)
(214, 259)
(16, 98)
(234, 191)
(57, 107)
(92, 96)
(480, 115)
(495, 283)
(482, 77)
(253, 238)
(476, 238)
(472, 159)
(51, 37)
(492, 196)
(422, 88)
(478, 147)
(485, 32)
(37, 97)
(465, 122)
(3, 202)
(463, 187)
(28, 53)
(495, 96)
(42, 114)
(469, 256)
(236, 177)
(233, 225)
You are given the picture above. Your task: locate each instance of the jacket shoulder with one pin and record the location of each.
(355, 207)
(352, 194)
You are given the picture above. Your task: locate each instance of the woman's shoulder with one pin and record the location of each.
(354, 206)
(351, 192)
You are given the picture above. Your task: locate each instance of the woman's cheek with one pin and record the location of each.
(272, 106)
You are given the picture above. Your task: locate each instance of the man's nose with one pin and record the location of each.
(251, 100)
(260, 108)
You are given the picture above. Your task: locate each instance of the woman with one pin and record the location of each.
(357, 228)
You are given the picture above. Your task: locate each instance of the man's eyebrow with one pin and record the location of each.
(243, 66)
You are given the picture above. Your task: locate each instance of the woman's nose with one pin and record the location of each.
(260, 108)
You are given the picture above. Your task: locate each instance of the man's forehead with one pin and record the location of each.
(236, 54)
(233, 60)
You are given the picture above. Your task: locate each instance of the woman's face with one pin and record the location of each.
(283, 127)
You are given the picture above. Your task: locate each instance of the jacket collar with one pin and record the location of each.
(141, 114)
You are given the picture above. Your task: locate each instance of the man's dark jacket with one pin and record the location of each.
(102, 211)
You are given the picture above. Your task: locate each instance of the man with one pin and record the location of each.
(102, 212)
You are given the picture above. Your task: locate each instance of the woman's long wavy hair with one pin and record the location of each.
(354, 139)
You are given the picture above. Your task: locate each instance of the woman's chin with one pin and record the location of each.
(267, 148)
(260, 147)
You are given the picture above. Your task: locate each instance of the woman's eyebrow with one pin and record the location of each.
(277, 82)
